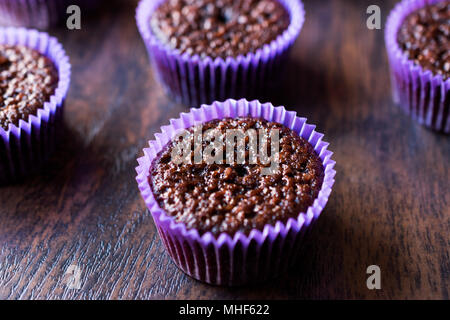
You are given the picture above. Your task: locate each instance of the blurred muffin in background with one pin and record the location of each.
(204, 50)
(418, 45)
(34, 80)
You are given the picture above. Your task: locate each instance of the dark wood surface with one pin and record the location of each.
(389, 206)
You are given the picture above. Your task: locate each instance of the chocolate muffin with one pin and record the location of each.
(231, 197)
(27, 80)
(425, 37)
(222, 28)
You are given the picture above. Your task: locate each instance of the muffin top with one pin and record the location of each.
(425, 37)
(27, 80)
(235, 196)
(219, 28)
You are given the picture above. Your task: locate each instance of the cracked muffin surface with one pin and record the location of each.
(219, 28)
(231, 197)
(27, 80)
(425, 37)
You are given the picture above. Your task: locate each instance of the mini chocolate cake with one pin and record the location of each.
(27, 80)
(222, 28)
(237, 197)
(425, 37)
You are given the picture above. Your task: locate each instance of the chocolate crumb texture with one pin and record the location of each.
(27, 80)
(222, 28)
(237, 197)
(425, 37)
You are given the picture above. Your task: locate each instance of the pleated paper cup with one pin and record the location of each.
(239, 259)
(192, 80)
(420, 93)
(25, 147)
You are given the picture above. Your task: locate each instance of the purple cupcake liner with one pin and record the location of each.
(25, 147)
(40, 14)
(426, 97)
(240, 259)
(192, 80)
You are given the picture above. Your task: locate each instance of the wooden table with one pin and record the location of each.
(389, 206)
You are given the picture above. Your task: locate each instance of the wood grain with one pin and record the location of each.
(389, 206)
